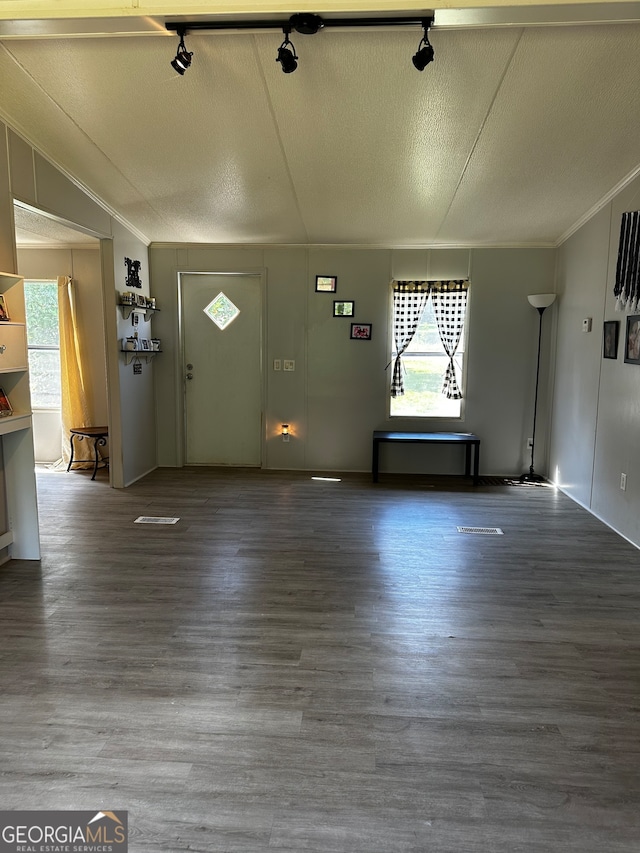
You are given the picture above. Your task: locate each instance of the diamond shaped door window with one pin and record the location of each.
(222, 311)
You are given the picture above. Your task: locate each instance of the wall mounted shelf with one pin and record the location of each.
(15, 422)
(128, 310)
(131, 354)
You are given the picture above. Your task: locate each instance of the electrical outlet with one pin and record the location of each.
(623, 482)
(277, 364)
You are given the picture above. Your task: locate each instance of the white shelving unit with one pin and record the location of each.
(128, 310)
(147, 312)
(19, 533)
(133, 354)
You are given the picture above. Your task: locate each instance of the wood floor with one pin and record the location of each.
(318, 667)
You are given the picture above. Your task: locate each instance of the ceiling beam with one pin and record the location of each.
(29, 19)
(43, 9)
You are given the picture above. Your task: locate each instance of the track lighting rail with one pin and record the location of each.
(296, 23)
(306, 24)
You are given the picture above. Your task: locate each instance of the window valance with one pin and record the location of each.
(452, 286)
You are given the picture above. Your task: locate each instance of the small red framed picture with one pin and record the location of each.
(361, 331)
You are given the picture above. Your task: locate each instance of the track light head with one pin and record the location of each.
(425, 53)
(182, 58)
(182, 61)
(287, 54)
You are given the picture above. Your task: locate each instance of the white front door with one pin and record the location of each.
(222, 368)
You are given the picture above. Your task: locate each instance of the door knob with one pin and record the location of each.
(189, 367)
(189, 375)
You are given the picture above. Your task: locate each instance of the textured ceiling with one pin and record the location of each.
(36, 231)
(511, 137)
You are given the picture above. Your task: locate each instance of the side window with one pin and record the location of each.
(428, 330)
(43, 343)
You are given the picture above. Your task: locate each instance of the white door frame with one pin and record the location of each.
(181, 384)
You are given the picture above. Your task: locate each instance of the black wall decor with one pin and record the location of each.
(627, 285)
(133, 272)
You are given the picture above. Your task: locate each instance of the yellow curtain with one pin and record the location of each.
(75, 407)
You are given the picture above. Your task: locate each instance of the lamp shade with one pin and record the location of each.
(542, 300)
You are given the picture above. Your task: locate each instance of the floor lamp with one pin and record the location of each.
(540, 301)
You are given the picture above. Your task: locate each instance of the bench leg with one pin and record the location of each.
(70, 453)
(99, 442)
(476, 466)
(374, 461)
(95, 462)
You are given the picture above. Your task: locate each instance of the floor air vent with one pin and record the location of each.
(483, 531)
(155, 519)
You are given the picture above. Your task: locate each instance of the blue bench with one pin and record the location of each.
(468, 439)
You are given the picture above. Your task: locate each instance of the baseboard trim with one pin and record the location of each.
(599, 517)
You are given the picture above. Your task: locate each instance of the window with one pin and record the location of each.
(427, 381)
(222, 311)
(43, 343)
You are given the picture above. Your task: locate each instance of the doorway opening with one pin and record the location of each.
(48, 252)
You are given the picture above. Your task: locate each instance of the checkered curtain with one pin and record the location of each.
(450, 306)
(409, 300)
(627, 286)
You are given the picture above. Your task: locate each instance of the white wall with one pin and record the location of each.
(338, 393)
(596, 401)
(136, 392)
(47, 436)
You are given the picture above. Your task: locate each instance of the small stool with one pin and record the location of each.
(99, 437)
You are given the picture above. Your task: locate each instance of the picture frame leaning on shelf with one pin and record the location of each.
(5, 405)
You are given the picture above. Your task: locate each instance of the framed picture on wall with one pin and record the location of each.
(4, 314)
(5, 405)
(361, 331)
(344, 309)
(632, 340)
(326, 283)
(610, 339)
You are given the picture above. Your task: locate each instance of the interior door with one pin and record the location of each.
(222, 336)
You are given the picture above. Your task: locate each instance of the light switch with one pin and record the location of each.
(277, 364)
(586, 324)
(289, 364)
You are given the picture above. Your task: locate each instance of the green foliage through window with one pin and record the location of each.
(43, 342)
(423, 397)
